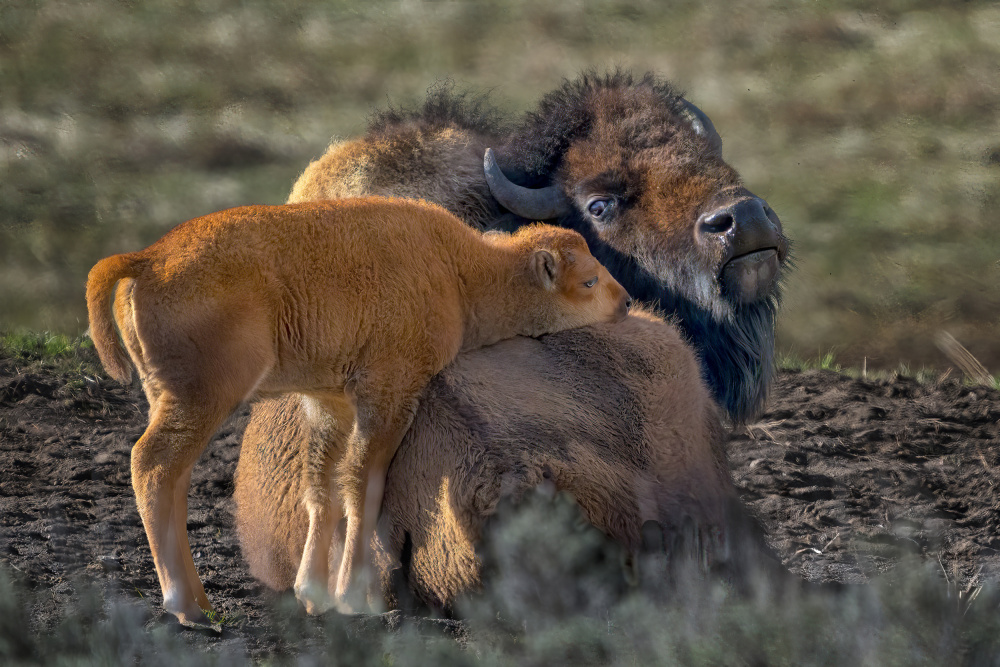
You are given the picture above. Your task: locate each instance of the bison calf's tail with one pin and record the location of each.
(100, 287)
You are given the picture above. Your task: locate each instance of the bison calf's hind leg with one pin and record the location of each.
(162, 461)
(180, 512)
(191, 394)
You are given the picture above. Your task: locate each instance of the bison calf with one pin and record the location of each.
(355, 304)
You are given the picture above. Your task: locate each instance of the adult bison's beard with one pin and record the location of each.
(734, 339)
(737, 355)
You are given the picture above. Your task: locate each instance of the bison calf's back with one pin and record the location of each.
(355, 303)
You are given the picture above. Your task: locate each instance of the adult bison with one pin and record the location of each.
(631, 165)
(639, 172)
(616, 415)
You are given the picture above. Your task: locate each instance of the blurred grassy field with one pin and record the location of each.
(875, 134)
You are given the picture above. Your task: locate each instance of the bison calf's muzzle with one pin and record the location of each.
(753, 247)
(621, 297)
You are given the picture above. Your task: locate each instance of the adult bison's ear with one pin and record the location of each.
(703, 126)
(530, 203)
(545, 268)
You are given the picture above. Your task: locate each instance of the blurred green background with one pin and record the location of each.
(874, 133)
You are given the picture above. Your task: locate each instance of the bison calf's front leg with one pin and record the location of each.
(362, 476)
(363, 484)
(322, 503)
(312, 579)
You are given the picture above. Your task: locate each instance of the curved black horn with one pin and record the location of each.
(703, 125)
(531, 203)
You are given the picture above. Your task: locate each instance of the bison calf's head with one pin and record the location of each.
(572, 288)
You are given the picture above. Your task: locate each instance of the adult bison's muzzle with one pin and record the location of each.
(753, 248)
(750, 277)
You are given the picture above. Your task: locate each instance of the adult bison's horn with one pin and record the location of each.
(703, 125)
(531, 203)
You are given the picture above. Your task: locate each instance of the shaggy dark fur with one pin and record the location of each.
(536, 147)
(444, 106)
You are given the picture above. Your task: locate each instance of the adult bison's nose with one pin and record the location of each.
(749, 234)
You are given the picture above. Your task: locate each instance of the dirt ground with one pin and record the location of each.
(846, 474)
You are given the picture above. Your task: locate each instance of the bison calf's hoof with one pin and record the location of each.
(314, 597)
(198, 622)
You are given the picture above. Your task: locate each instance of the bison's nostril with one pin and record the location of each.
(718, 222)
(628, 302)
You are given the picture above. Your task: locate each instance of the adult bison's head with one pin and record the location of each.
(639, 172)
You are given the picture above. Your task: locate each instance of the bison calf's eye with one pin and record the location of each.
(591, 282)
(598, 207)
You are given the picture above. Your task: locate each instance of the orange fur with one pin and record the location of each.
(354, 303)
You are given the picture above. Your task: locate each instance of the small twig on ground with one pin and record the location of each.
(971, 592)
(763, 428)
(943, 570)
(805, 549)
(11, 565)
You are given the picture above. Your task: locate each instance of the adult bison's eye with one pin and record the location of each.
(591, 282)
(598, 207)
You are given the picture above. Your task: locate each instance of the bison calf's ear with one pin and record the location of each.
(546, 268)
